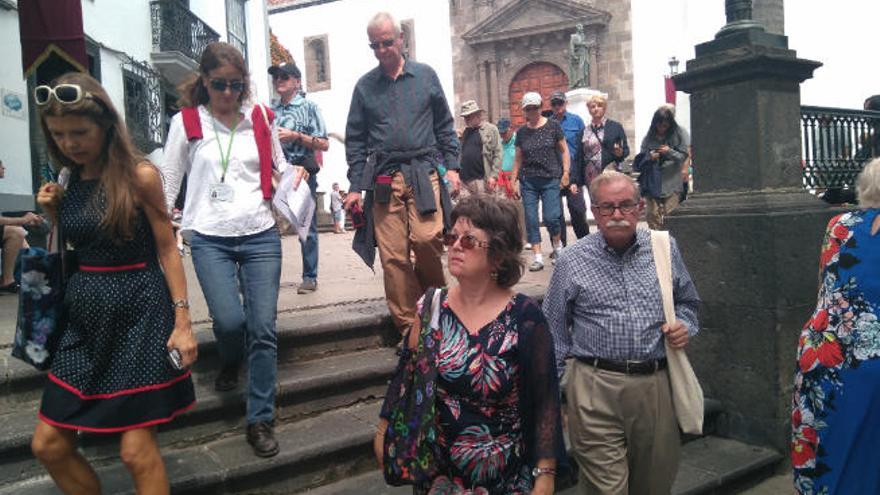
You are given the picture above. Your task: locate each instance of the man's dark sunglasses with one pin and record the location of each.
(221, 84)
(385, 43)
(468, 241)
(607, 209)
(281, 76)
(557, 103)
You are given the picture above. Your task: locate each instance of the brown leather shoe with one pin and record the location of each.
(261, 436)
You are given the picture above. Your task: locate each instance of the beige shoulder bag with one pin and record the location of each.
(687, 395)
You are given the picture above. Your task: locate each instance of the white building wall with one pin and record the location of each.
(345, 24)
(14, 136)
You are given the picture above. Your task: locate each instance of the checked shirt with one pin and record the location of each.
(606, 305)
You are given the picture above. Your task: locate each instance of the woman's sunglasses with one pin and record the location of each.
(384, 43)
(468, 241)
(67, 94)
(221, 84)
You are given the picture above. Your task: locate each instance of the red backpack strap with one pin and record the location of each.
(192, 123)
(263, 136)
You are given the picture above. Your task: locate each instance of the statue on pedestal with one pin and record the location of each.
(578, 61)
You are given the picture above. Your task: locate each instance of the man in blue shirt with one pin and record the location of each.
(573, 128)
(302, 132)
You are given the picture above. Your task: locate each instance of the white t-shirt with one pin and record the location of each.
(245, 212)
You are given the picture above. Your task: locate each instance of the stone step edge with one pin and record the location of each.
(375, 366)
(709, 480)
(321, 324)
(216, 464)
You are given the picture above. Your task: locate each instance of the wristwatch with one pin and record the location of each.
(538, 471)
(180, 303)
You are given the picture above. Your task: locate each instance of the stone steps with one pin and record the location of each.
(709, 465)
(314, 450)
(304, 389)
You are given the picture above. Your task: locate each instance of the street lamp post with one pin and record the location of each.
(673, 66)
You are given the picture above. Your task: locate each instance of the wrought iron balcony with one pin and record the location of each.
(179, 38)
(835, 145)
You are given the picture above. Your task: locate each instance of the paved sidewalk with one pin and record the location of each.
(342, 278)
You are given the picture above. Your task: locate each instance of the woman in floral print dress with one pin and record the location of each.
(496, 391)
(836, 408)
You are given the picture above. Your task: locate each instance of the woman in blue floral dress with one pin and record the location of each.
(836, 408)
(496, 392)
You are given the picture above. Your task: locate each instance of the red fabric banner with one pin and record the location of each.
(51, 26)
(670, 90)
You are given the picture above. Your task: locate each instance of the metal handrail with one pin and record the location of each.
(176, 28)
(835, 145)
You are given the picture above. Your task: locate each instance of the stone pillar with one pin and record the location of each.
(750, 234)
(770, 14)
(482, 95)
(493, 104)
(593, 54)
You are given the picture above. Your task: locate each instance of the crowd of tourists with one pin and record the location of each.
(485, 374)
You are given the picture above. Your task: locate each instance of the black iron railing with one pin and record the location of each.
(835, 145)
(143, 105)
(176, 28)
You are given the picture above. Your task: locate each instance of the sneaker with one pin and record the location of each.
(307, 286)
(527, 246)
(536, 266)
(227, 379)
(261, 436)
(555, 253)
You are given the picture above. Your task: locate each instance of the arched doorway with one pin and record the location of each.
(542, 77)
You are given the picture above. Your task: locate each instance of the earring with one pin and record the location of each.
(493, 275)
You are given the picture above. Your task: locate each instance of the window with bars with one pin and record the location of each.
(236, 25)
(143, 105)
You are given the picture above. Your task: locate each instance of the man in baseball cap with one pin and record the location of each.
(481, 152)
(302, 133)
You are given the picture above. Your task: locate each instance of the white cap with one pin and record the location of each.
(531, 99)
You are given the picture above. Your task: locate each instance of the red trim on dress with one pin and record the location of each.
(147, 388)
(113, 268)
(116, 429)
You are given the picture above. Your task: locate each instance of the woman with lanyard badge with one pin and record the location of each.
(236, 248)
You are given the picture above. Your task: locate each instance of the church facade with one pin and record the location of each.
(504, 48)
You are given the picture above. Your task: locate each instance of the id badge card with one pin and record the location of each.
(221, 192)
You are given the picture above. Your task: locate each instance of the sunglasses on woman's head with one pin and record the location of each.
(384, 43)
(221, 84)
(67, 94)
(468, 241)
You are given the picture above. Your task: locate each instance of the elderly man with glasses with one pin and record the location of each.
(604, 309)
(399, 132)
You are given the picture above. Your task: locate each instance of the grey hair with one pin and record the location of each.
(868, 185)
(607, 177)
(380, 19)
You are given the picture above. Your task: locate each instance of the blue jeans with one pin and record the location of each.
(310, 246)
(546, 190)
(240, 277)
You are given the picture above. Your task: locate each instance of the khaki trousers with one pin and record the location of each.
(401, 230)
(658, 209)
(476, 187)
(623, 431)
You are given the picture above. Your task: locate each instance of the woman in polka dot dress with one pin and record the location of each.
(126, 304)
